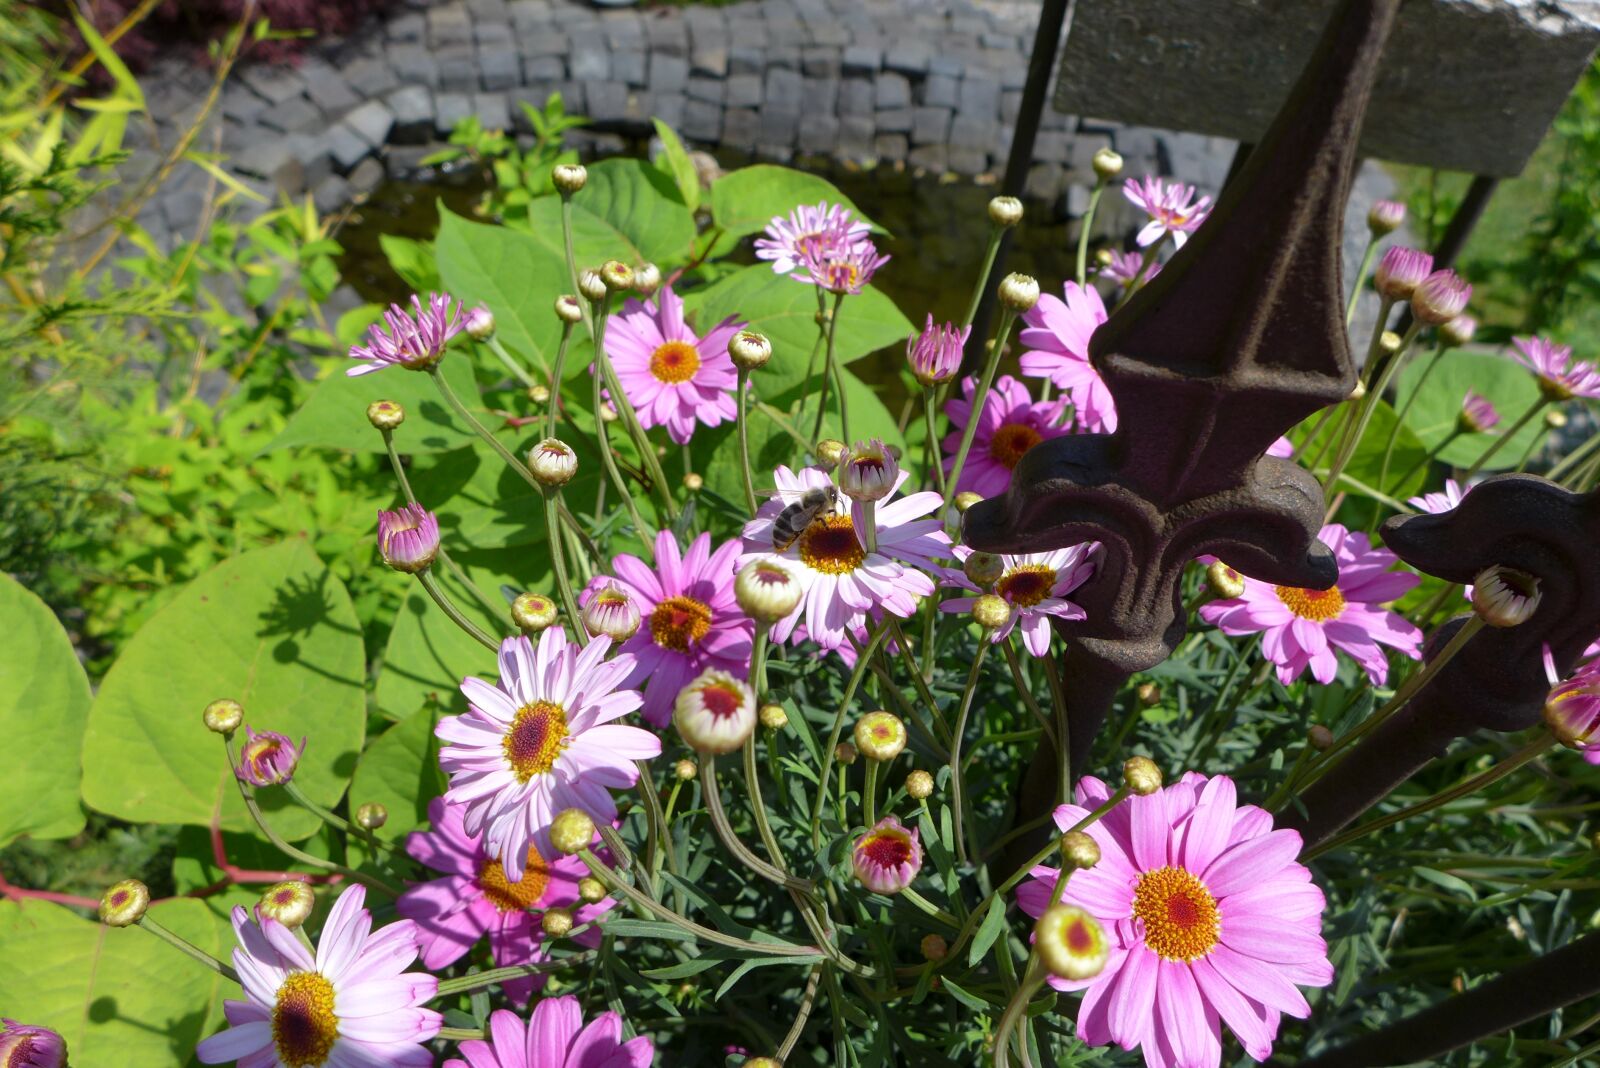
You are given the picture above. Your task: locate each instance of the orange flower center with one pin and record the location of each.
(829, 545)
(1180, 916)
(515, 897)
(1317, 605)
(677, 621)
(1010, 441)
(887, 848)
(1026, 584)
(304, 1027)
(675, 361)
(536, 738)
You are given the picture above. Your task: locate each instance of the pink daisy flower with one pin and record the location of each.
(1210, 918)
(23, 1046)
(475, 899)
(1055, 341)
(542, 741)
(788, 239)
(1011, 423)
(1478, 414)
(555, 1037)
(1301, 627)
(1172, 209)
(1283, 449)
(414, 340)
(671, 377)
(1444, 500)
(1560, 376)
(1572, 709)
(839, 261)
(353, 1003)
(841, 581)
(1123, 267)
(692, 620)
(1036, 586)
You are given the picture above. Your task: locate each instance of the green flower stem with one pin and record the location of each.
(478, 980)
(1316, 429)
(630, 420)
(374, 844)
(558, 558)
(519, 371)
(959, 801)
(869, 794)
(1574, 458)
(869, 524)
(905, 711)
(930, 449)
(1023, 689)
(816, 347)
(1498, 771)
(979, 399)
(1016, 1010)
(557, 369)
(617, 885)
(1367, 255)
(647, 535)
(301, 855)
(1346, 407)
(918, 681)
(482, 431)
(930, 908)
(1405, 409)
(730, 840)
(758, 664)
(572, 259)
(743, 400)
(996, 234)
(1369, 404)
(1082, 272)
(658, 842)
(431, 584)
(763, 826)
(1433, 454)
(838, 728)
(1499, 442)
(808, 1001)
(186, 947)
(461, 1034)
(832, 372)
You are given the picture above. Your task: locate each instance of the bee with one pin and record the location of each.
(802, 510)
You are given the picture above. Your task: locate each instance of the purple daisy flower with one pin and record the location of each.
(555, 1037)
(1478, 414)
(1123, 267)
(268, 758)
(414, 340)
(1560, 377)
(839, 261)
(691, 619)
(1011, 423)
(671, 377)
(1055, 341)
(1036, 586)
(1172, 209)
(788, 239)
(23, 1046)
(1444, 500)
(1303, 627)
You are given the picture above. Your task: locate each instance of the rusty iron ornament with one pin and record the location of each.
(1239, 338)
(1497, 681)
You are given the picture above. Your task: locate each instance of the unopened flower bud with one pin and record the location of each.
(552, 462)
(1005, 211)
(1385, 217)
(1224, 581)
(479, 323)
(934, 947)
(763, 1062)
(385, 414)
(694, 481)
(1400, 271)
(408, 538)
(1141, 775)
(568, 310)
(1458, 331)
(715, 713)
(1359, 390)
(767, 590)
(1071, 943)
(685, 770)
(290, 903)
(991, 612)
(268, 758)
(568, 178)
(749, 350)
(1555, 418)
(869, 471)
(612, 612)
(124, 903)
(1504, 597)
(608, 412)
(888, 857)
(223, 715)
(1149, 694)
(1440, 297)
(845, 753)
(1104, 258)
(591, 890)
(646, 280)
(592, 286)
(966, 499)
(556, 922)
(830, 451)
(935, 353)
(1079, 850)
(616, 275)
(1389, 342)
(1320, 737)
(984, 569)
(371, 816)
(571, 831)
(538, 395)
(919, 784)
(533, 612)
(773, 717)
(1019, 292)
(881, 736)
(1106, 163)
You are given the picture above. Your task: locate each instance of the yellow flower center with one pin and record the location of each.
(677, 621)
(1317, 605)
(1010, 441)
(304, 1027)
(1180, 916)
(515, 897)
(675, 361)
(841, 277)
(1026, 584)
(829, 545)
(536, 738)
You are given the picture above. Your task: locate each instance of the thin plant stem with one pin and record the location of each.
(478, 980)
(730, 840)
(816, 348)
(1573, 458)
(996, 233)
(373, 842)
(482, 431)
(959, 802)
(447, 606)
(1432, 455)
(1025, 692)
(1367, 255)
(918, 682)
(753, 787)
(655, 820)
(187, 948)
(743, 416)
(869, 524)
(608, 459)
(1500, 442)
(558, 558)
(979, 399)
(567, 245)
(808, 1001)
(444, 555)
(931, 445)
(558, 369)
(1369, 404)
(831, 372)
(862, 660)
(930, 908)
(1082, 266)
(869, 794)
(1016, 1009)
(630, 421)
(1405, 409)
(520, 372)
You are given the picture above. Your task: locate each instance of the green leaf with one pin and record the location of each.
(335, 415)
(994, 922)
(117, 996)
(679, 165)
(971, 1001)
(44, 701)
(400, 770)
(512, 271)
(273, 629)
(1433, 417)
(1366, 465)
(785, 310)
(413, 261)
(744, 201)
(642, 204)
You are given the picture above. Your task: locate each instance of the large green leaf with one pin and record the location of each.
(412, 260)
(44, 701)
(679, 165)
(786, 311)
(744, 201)
(400, 770)
(1433, 417)
(516, 273)
(273, 629)
(118, 996)
(335, 415)
(1366, 464)
(643, 204)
